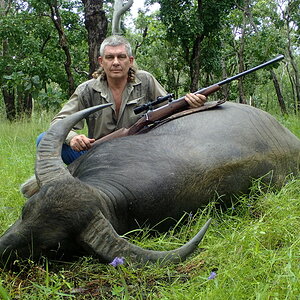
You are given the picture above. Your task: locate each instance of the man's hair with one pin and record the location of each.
(115, 40)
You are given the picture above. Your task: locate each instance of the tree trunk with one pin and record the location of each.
(96, 26)
(240, 55)
(195, 64)
(296, 85)
(63, 42)
(288, 21)
(9, 101)
(24, 104)
(292, 81)
(8, 94)
(273, 74)
(225, 88)
(278, 92)
(195, 55)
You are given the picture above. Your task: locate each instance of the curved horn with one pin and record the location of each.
(100, 239)
(49, 165)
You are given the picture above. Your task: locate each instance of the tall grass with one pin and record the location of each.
(253, 248)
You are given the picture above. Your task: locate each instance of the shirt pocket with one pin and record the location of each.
(137, 101)
(130, 116)
(132, 104)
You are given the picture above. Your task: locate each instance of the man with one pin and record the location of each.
(117, 82)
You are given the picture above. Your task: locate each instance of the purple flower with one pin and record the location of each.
(212, 275)
(117, 261)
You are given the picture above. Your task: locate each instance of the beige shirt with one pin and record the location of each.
(145, 88)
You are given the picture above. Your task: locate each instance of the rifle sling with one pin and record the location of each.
(206, 106)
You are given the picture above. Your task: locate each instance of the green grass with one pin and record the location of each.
(254, 246)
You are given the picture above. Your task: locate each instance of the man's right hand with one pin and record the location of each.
(81, 142)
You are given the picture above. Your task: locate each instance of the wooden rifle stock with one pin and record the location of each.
(167, 110)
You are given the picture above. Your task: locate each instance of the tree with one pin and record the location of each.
(44, 43)
(32, 59)
(290, 12)
(18, 83)
(256, 36)
(8, 94)
(63, 42)
(96, 26)
(191, 24)
(259, 28)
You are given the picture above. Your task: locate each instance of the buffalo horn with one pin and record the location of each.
(49, 165)
(100, 239)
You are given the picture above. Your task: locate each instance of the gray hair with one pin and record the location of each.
(115, 40)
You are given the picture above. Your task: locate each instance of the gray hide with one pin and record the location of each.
(178, 167)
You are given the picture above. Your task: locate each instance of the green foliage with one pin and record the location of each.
(188, 24)
(293, 7)
(166, 44)
(264, 38)
(50, 100)
(22, 83)
(32, 50)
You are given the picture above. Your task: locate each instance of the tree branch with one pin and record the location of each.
(119, 10)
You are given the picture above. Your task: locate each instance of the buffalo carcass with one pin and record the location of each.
(174, 168)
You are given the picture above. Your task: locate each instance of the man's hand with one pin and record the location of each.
(195, 100)
(81, 142)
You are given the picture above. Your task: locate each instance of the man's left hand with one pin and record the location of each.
(195, 100)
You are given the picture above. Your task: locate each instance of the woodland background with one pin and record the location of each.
(48, 47)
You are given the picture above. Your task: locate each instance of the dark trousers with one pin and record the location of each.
(68, 155)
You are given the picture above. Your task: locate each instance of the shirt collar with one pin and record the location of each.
(102, 87)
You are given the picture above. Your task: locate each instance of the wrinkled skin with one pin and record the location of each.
(50, 225)
(124, 183)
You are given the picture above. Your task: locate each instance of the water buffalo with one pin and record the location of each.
(126, 182)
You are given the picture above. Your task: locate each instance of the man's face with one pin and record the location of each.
(116, 62)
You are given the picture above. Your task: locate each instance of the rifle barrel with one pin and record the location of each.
(227, 80)
(278, 58)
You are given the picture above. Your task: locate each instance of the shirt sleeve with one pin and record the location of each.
(72, 106)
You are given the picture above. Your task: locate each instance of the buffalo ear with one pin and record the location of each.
(29, 187)
(100, 239)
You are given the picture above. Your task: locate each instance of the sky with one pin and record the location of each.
(137, 4)
(140, 4)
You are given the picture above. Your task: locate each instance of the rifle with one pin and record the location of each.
(174, 106)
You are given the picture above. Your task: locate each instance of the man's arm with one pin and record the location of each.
(68, 109)
(72, 106)
(195, 100)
